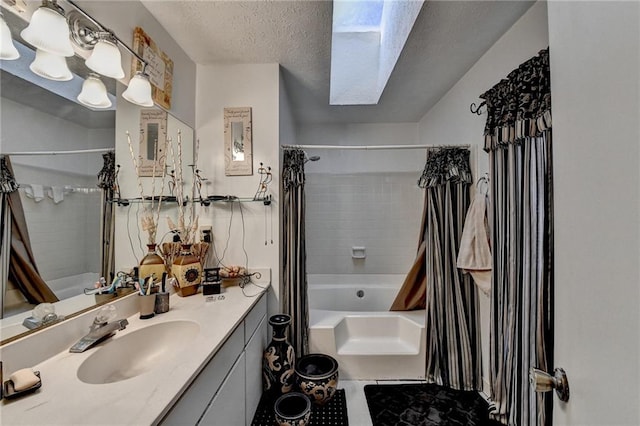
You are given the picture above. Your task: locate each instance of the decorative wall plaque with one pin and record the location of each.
(238, 148)
(159, 68)
(153, 142)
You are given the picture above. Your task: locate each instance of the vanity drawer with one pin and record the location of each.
(197, 397)
(253, 318)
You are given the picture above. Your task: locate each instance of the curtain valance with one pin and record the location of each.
(293, 169)
(519, 106)
(446, 165)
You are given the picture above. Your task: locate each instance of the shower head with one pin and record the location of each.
(312, 158)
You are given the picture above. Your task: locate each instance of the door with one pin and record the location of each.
(594, 55)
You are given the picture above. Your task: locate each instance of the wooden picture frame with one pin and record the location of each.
(153, 142)
(159, 68)
(238, 143)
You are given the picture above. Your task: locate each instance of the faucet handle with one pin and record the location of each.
(105, 314)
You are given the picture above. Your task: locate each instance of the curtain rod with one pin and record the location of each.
(78, 151)
(372, 147)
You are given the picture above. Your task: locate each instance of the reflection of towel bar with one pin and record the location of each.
(358, 252)
(67, 189)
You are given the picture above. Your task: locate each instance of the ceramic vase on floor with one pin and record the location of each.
(317, 377)
(278, 363)
(292, 409)
(152, 264)
(187, 270)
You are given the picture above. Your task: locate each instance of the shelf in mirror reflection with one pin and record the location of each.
(170, 200)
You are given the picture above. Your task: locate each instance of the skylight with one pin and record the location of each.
(357, 15)
(367, 38)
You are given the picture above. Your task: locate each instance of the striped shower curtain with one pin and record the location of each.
(518, 139)
(452, 323)
(293, 293)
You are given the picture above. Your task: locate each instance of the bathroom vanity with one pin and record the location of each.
(199, 363)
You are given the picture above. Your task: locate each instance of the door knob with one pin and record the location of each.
(545, 382)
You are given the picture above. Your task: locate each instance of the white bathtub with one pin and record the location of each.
(351, 322)
(73, 285)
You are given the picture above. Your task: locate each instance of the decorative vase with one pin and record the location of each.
(292, 409)
(187, 270)
(317, 377)
(278, 363)
(151, 264)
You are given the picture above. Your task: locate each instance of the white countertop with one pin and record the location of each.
(145, 399)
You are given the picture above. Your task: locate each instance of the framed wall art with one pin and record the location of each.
(238, 146)
(153, 142)
(159, 68)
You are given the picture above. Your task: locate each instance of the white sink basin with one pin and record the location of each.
(137, 352)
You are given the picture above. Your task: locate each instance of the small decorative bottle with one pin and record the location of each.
(187, 270)
(152, 264)
(278, 363)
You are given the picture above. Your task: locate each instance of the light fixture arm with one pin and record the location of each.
(115, 37)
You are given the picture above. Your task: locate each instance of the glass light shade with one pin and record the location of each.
(50, 66)
(7, 48)
(106, 60)
(94, 93)
(48, 30)
(139, 90)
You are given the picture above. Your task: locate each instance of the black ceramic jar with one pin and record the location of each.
(317, 377)
(292, 409)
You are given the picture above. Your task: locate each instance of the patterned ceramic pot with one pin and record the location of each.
(292, 409)
(317, 377)
(278, 363)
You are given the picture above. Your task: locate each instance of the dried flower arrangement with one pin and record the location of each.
(150, 213)
(186, 229)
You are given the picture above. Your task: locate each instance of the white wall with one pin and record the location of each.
(247, 85)
(450, 121)
(595, 69)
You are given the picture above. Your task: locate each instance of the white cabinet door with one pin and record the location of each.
(228, 407)
(197, 397)
(253, 380)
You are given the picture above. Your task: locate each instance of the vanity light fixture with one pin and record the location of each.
(94, 93)
(8, 50)
(50, 66)
(48, 30)
(105, 58)
(88, 33)
(139, 90)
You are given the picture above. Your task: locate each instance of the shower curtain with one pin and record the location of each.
(518, 140)
(23, 272)
(452, 321)
(293, 294)
(107, 182)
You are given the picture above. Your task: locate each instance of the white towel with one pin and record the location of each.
(34, 191)
(474, 256)
(56, 193)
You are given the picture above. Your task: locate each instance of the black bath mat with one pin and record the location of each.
(333, 413)
(425, 405)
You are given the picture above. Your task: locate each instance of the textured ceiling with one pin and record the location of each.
(447, 39)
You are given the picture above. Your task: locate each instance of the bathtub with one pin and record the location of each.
(73, 285)
(349, 320)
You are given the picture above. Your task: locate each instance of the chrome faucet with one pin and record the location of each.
(99, 331)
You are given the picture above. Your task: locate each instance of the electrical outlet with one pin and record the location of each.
(206, 233)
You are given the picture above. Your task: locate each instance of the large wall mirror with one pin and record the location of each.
(63, 206)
